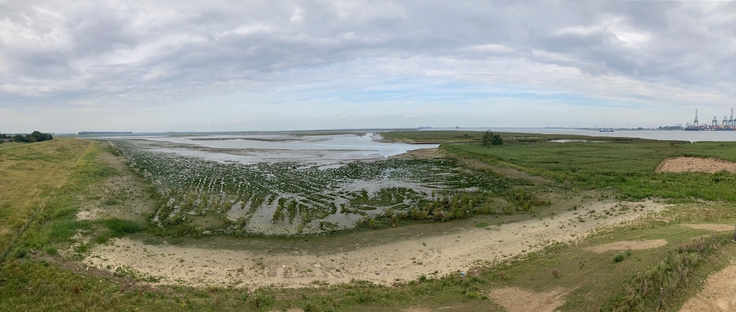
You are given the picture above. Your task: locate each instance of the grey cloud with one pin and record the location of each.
(175, 48)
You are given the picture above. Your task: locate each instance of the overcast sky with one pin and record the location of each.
(68, 66)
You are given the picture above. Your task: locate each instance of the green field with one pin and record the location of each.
(628, 167)
(42, 272)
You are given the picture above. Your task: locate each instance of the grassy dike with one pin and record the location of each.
(34, 276)
(28, 175)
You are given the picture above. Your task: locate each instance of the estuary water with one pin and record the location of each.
(325, 150)
(691, 136)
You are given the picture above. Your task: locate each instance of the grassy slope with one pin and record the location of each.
(10, 144)
(27, 174)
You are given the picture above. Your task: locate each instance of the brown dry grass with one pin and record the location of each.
(693, 164)
(515, 299)
(28, 173)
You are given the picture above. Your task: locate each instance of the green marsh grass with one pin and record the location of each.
(627, 166)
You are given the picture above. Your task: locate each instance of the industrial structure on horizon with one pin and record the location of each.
(726, 125)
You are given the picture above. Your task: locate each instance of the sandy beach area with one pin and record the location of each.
(402, 260)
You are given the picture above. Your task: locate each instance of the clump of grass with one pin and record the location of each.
(555, 273)
(481, 224)
(122, 227)
(118, 228)
(618, 258)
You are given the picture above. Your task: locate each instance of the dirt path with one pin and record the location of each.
(401, 260)
(718, 294)
(629, 245)
(515, 299)
(711, 227)
(693, 164)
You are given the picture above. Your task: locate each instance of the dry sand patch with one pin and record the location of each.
(629, 245)
(694, 164)
(711, 227)
(515, 299)
(424, 153)
(718, 294)
(417, 309)
(92, 214)
(401, 260)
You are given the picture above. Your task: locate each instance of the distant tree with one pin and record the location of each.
(41, 136)
(3, 136)
(34, 137)
(490, 138)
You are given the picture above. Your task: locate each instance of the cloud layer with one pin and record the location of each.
(178, 65)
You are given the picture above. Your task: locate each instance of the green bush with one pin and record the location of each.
(490, 138)
(618, 258)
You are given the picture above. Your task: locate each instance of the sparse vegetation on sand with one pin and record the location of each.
(43, 270)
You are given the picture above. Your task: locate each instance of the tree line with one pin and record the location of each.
(34, 137)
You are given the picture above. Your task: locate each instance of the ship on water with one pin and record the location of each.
(727, 124)
(605, 130)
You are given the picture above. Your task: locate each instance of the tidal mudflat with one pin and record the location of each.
(290, 185)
